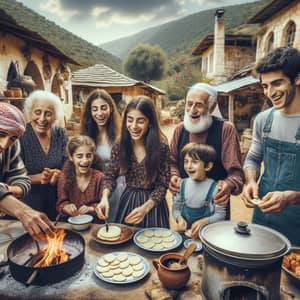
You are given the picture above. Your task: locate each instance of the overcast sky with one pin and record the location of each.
(99, 21)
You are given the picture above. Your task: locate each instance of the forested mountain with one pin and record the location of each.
(180, 37)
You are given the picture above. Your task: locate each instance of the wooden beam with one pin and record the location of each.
(231, 108)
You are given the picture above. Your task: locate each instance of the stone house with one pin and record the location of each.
(223, 54)
(279, 26)
(27, 57)
(122, 88)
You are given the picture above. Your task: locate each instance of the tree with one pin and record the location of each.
(181, 81)
(146, 62)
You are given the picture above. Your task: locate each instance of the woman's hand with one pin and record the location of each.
(102, 209)
(136, 216)
(70, 209)
(84, 209)
(181, 224)
(196, 226)
(174, 185)
(50, 176)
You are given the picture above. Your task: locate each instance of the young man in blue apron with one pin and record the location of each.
(276, 143)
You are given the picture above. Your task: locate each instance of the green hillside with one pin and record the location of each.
(73, 46)
(180, 37)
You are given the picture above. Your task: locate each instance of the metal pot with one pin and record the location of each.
(20, 250)
(241, 255)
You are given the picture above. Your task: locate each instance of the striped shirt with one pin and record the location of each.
(12, 170)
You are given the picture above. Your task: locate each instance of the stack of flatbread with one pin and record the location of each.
(113, 233)
(156, 239)
(120, 267)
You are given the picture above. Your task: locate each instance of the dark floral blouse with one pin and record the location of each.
(136, 173)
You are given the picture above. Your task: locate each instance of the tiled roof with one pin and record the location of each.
(269, 10)
(100, 75)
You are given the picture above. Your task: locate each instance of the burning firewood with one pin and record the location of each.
(51, 254)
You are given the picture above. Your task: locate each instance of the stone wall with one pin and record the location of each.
(11, 51)
(237, 57)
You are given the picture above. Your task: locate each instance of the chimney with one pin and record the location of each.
(219, 47)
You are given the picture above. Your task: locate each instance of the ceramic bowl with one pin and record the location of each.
(291, 275)
(191, 241)
(80, 222)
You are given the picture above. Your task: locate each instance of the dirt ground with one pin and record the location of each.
(239, 212)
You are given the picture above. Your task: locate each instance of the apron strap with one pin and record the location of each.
(210, 192)
(182, 188)
(269, 121)
(297, 136)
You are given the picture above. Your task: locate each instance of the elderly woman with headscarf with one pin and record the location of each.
(14, 181)
(43, 149)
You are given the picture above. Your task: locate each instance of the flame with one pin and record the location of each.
(53, 253)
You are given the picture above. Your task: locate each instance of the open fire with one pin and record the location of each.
(52, 253)
(52, 259)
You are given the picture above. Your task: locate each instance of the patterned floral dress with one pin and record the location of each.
(137, 192)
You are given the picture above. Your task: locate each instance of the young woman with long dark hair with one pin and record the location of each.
(101, 122)
(142, 155)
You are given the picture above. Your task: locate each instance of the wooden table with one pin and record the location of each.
(86, 285)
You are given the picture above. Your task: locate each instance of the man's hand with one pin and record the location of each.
(70, 209)
(102, 209)
(274, 202)
(223, 195)
(174, 185)
(181, 224)
(250, 192)
(36, 223)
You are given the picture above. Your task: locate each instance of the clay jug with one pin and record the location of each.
(172, 277)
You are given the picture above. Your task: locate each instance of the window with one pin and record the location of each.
(290, 34)
(270, 42)
(204, 65)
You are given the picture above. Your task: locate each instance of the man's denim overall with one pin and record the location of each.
(193, 214)
(282, 173)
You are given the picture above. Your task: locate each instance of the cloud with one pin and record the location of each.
(55, 7)
(106, 13)
(114, 12)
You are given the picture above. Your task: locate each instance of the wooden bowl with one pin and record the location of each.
(17, 92)
(8, 93)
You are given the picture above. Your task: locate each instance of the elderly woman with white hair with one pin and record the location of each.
(43, 149)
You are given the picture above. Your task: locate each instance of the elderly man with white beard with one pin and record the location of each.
(201, 127)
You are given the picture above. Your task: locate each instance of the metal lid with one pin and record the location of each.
(244, 240)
